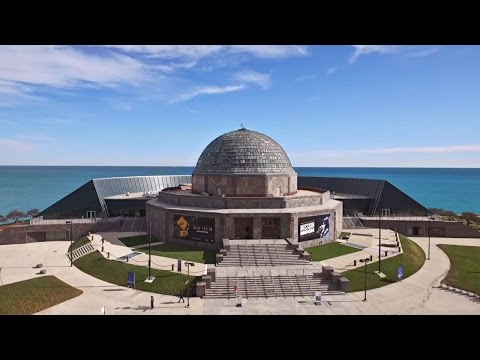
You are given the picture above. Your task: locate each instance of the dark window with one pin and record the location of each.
(270, 228)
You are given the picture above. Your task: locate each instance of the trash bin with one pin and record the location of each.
(239, 300)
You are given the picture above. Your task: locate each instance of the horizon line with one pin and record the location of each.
(189, 166)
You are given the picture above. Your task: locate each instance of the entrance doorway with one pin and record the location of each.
(243, 227)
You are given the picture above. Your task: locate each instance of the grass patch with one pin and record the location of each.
(79, 243)
(133, 241)
(330, 250)
(186, 252)
(116, 272)
(34, 295)
(464, 272)
(412, 259)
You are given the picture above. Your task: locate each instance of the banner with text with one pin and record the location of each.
(194, 228)
(315, 227)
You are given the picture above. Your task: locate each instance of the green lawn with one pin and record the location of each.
(411, 260)
(116, 272)
(464, 272)
(31, 296)
(330, 250)
(133, 241)
(79, 243)
(186, 252)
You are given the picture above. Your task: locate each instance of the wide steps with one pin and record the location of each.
(270, 286)
(261, 255)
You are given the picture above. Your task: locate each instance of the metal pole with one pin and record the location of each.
(188, 288)
(365, 296)
(150, 252)
(379, 240)
(428, 258)
(71, 243)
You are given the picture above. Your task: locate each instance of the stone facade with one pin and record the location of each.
(244, 187)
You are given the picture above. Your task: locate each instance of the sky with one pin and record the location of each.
(161, 105)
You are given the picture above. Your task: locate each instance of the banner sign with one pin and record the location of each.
(194, 228)
(315, 227)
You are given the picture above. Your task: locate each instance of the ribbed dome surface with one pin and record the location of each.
(243, 152)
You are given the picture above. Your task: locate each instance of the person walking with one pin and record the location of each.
(151, 302)
(180, 297)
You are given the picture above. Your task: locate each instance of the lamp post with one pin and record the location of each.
(150, 252)
(429, 218)
(379, 240)
(71, 241)
(366, 260)
(188, 264)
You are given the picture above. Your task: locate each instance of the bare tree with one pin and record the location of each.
(469, 217)
(15, 215)
(32, 213)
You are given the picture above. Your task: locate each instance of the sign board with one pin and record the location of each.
(194, 228)
(317, 297)
(400, 272)
(131, 279)
(315, 227)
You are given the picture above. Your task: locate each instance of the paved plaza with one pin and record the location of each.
(418, 294)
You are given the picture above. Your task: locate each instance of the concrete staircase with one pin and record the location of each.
(81, 251)
(261, 255)
(255, 287)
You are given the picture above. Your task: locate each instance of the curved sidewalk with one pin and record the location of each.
(420, 294)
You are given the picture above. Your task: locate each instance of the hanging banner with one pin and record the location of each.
(315, 227)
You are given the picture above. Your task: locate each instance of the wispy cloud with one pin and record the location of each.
(207, 90)
(331, 70)
(306, 77)
(406, 50)
(8, 146)
(427, 149)
(253, 77)
(202, 51)
(58, 121)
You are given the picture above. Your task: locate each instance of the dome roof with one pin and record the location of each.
(243, 152)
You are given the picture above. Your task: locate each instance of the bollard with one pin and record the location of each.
(173, 267)
(354, 262)
(371, 258)
(127, 258)
(386, 253)
(108, 254)
(399, 249)
(102, 248)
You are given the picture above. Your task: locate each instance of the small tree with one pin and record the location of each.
(15, 215)
(32, 213)
(469, 217)
(450, 214)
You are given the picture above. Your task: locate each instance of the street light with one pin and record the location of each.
(379, 243)
(429, 218)
(188, 264)
(71, 241)
(366, 260)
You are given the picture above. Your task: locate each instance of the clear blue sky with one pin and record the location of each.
(362, 105)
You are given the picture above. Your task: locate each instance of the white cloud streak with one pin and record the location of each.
(202, 51)
(207, 90)
(409, 51)
(428, 149)
(249, 76)
(9, 146)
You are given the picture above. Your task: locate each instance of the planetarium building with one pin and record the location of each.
(244, 187)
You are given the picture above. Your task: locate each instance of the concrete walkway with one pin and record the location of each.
(418, 294)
